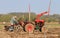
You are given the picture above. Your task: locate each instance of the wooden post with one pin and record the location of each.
(48, 15)
(29, 12)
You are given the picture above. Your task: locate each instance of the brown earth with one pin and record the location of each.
(51, 33)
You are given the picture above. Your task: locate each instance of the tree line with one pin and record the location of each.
(50, 18)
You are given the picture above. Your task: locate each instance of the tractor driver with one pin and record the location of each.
(14, 21)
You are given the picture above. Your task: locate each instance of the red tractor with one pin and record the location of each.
(37, 25)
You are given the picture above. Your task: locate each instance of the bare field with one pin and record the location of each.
(53, 31)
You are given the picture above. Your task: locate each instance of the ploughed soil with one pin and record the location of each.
(51, 33)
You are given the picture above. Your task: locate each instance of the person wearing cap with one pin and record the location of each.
(13, 20)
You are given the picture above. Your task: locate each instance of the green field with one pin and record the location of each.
(53, 25)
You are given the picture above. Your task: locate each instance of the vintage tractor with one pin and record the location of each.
(27, 25)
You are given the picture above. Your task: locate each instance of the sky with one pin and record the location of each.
(37, 6)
